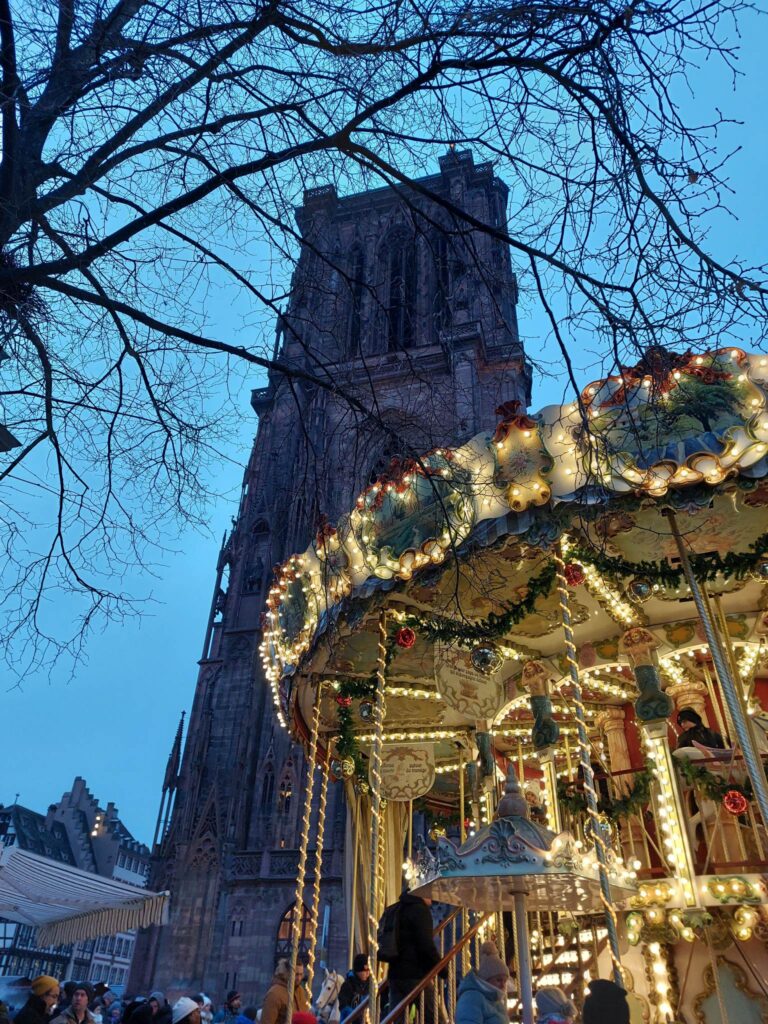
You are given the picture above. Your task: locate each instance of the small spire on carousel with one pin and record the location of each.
(513, 804)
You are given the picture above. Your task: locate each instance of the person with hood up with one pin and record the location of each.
(77, 1012)
(155, 1011)
(43, 996)
(355, 986)
(186, 1010)
(553, 1006)
(606, 1003)
(693, 730)
(275, 1009)
(483, 992)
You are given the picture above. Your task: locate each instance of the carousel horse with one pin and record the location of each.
(327, 1003)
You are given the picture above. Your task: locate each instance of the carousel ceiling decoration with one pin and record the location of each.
(672, 422)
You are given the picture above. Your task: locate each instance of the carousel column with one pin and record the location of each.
(652, 708)
(545, 734)
(375, 780)
(611, 722)
(733, 699)
(303, 847)
(598, 840)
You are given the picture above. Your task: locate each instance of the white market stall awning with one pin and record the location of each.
(68, 905)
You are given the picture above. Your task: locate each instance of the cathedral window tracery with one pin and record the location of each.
(401, 289)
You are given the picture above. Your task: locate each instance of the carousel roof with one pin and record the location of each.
(463, 537)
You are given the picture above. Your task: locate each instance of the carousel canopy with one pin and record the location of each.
(68, 905)
(459, 545)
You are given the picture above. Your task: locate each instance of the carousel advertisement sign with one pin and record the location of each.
(407, 772)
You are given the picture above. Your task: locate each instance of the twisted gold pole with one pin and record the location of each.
(598, 841)
(315, 912)
(375, 780)
(298, 908)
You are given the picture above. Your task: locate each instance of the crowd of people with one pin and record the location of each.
(413, 956)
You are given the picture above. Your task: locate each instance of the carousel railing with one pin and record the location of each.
(428, 994)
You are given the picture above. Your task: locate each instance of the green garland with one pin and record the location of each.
(575, 802)
(712, 786)
(494, 626)
(357, 689)
(705, 567)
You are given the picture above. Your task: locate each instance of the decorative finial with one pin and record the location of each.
(513, 804)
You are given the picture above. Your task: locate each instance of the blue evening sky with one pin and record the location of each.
(113, 722)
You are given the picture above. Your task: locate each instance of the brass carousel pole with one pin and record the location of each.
(298, 907)
(319, 844)
(741, 724)
(375, 778)
(586, 766)
(355, 873)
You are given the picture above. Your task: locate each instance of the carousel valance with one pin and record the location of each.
(674, 423)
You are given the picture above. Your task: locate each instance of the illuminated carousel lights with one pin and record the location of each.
(660, 976)
(424, 734)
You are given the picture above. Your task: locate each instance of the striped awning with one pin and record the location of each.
(68, 905)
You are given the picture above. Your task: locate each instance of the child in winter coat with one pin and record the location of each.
(553, 1006)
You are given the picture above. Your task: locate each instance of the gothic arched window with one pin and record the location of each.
(401, 290)
(284, 932)
(268, 790)
(357, 286)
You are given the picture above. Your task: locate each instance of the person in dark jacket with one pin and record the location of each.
(693, 729)
(43, 996)
(355, 986)
(417, 955)
(606, 1002)
(155, 1011)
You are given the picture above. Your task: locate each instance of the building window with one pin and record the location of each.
(401, 290)
(357, 289)
(268, 790)
(285, 929)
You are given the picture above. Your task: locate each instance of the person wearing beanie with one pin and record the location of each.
(77, 1012)
(275, 1009)
(187, 1010)
(605, 1001)
(43, 997)
(693, 731)
(483, 992)
(553, 1006)
(355, 986)
(230, 1010)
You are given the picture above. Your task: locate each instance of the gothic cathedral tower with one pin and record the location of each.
(411, 316)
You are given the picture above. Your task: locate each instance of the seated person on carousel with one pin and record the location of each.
(694, 731)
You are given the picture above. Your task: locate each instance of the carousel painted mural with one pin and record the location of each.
(537, 664)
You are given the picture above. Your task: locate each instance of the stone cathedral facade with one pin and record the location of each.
(410, 314)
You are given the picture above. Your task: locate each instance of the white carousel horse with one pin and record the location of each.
(327, 1003)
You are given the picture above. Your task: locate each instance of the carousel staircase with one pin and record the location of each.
(564, 952)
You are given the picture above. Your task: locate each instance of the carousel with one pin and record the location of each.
(490, 653)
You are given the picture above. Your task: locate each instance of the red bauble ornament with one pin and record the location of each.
(344, 702)
(405, 637)
(735, 802)
(574, 574)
